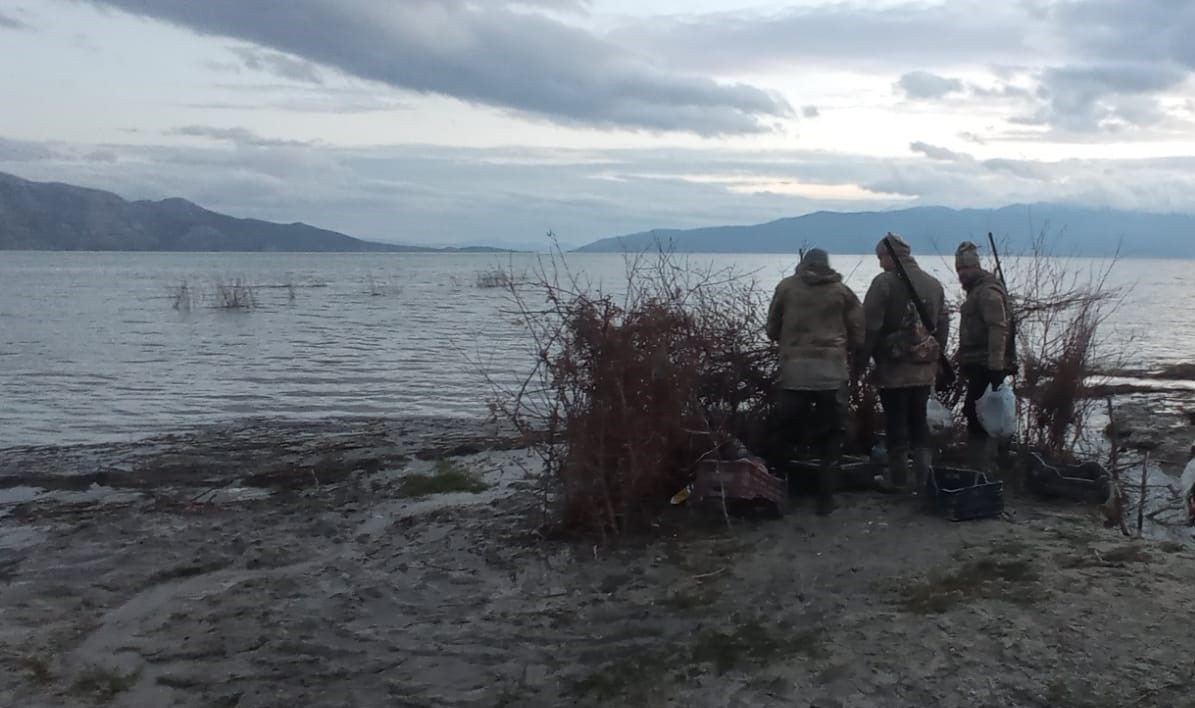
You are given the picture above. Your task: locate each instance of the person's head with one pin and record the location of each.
(966, 263)
(899, 246)
(815, 260)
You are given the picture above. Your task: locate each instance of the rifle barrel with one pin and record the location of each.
(1011, 347)
(947, 370)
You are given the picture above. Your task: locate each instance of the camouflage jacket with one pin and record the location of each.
(885, 310)
(817, 321)
(983, 325)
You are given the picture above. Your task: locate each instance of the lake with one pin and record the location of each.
(92, 347)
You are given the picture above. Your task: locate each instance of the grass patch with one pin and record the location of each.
(38, 668)
(1109, 558)
(1074, 694)
(988, 578)
(103, 684)
(633, 677)
(448, 476)
(752, 643)
(637, 677)
(682, 601)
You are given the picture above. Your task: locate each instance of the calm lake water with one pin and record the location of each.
(93, 349)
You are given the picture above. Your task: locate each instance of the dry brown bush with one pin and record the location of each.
(631, 388)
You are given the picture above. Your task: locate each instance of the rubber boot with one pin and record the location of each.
(896, 476)
(827, 474)
(825, 489)
(921, 469)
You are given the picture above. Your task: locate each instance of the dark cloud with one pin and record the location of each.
(1071, 67)
(1137, 31)
(840, 34)
(279, 64)
(923, 84)
(303, 98)
(8, 21)
(568, 6)
(935, 152)
(486, 53)
(810, 111)
(1107, 97)
(1113, 78)
(236, 136)
(24, 151)
(1027, 169)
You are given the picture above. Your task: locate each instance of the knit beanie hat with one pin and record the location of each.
(816, 259)
(966, 256)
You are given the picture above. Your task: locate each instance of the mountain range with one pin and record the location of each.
(62, 217)
(56, 216)
(1066, 230)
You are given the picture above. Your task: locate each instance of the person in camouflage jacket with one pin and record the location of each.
(903, 378)
(818, 322)
(985, 354)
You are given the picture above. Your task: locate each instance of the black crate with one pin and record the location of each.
(961, 494)
(1084, 482)
(853, 474)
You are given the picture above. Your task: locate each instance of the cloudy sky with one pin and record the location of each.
(492, 121)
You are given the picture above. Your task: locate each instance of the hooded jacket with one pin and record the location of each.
(886, 306)
(818, 321)
(983, 325)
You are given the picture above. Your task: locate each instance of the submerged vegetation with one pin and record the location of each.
(494, 278)
(235, 294)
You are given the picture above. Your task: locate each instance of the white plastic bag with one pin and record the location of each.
(997, 411)
(938, 416)
(1186, 484)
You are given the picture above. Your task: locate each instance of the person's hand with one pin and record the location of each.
(996, 377)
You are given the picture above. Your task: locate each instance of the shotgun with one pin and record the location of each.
(1011, 347)
(946, 374)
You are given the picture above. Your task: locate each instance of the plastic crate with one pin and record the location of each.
(961, 494)
(853, 474)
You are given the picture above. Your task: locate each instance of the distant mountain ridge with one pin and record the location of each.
(62, 217)
(1070, 230)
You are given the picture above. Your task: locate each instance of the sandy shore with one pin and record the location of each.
(272, 563)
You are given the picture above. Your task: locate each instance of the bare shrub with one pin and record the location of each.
(181, 297)
(235, 295)
(631, 388)
(1059, 309)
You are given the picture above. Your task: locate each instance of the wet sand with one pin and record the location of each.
(273, 563)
